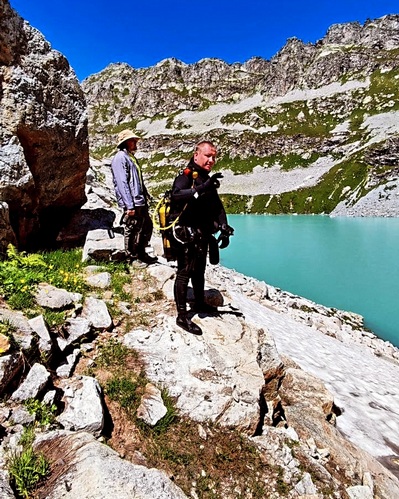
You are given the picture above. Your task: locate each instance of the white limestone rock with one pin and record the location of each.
(33, 385)
(83, 406)
(92, 469)
(151, 408)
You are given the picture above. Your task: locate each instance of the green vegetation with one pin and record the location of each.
(103, 152)
(166, 171)
(44, 413)
(174, 444)
(126, 385)
(385, 86)
(291, 118)
(121, 126)
(113, 354)
(26, 467)
(235, 203)
(216, 467)
(21, 273)
(126, 391)
(238, 165)
(321, 198)
(7, 329)
(164, 424)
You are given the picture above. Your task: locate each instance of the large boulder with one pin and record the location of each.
(44, 152)
(84, 467)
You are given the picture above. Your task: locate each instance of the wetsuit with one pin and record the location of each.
(201, 214)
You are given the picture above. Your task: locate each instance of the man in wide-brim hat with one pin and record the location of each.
(132, 197)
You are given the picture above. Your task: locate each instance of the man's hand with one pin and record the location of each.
(127, 216)
(211, 183)
(215, 179)
(226, 229)
(215, 176)
(224, 238)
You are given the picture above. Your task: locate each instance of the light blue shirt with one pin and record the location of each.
(129, 191)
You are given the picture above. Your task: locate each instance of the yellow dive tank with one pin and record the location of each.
(163, 215)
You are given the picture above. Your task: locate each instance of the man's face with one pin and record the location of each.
(205, 157)
(131, 145)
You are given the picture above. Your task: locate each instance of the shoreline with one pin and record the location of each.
(344, 326)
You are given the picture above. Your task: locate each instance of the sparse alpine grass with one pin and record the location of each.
(119, 279)
(164, 424)
(26, 467)
(126, 391)
(113, 354)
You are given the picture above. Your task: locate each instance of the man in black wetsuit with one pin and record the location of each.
(196, 203)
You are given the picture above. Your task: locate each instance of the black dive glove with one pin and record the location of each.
(211, 183)
(224, 238)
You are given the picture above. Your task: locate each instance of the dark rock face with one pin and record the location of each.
(43, 131)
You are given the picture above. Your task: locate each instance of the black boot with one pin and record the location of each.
(187, 324)
(146, 258)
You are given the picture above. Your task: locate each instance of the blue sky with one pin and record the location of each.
(93, 34)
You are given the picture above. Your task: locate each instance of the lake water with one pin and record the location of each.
(346, 263)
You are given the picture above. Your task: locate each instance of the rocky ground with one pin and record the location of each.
(263, 341)
(381, 202)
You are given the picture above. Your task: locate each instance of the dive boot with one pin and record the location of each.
(187, 324)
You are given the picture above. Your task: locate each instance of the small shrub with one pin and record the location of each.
(28, 436)
(44, 413)
(27, 469)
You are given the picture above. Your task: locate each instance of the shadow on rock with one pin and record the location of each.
(75, 232)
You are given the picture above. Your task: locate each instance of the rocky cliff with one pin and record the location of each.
(312, 130)
(43, 133)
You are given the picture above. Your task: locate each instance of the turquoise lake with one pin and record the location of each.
(346, 263)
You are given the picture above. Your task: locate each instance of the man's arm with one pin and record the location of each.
(182, 189)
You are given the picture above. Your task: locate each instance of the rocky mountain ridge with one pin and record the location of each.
(316, 120)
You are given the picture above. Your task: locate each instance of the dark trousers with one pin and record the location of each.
(191, 264)
(137, 231)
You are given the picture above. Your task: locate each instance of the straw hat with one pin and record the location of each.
(126, 135)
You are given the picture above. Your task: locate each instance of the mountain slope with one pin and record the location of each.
(313, 130)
